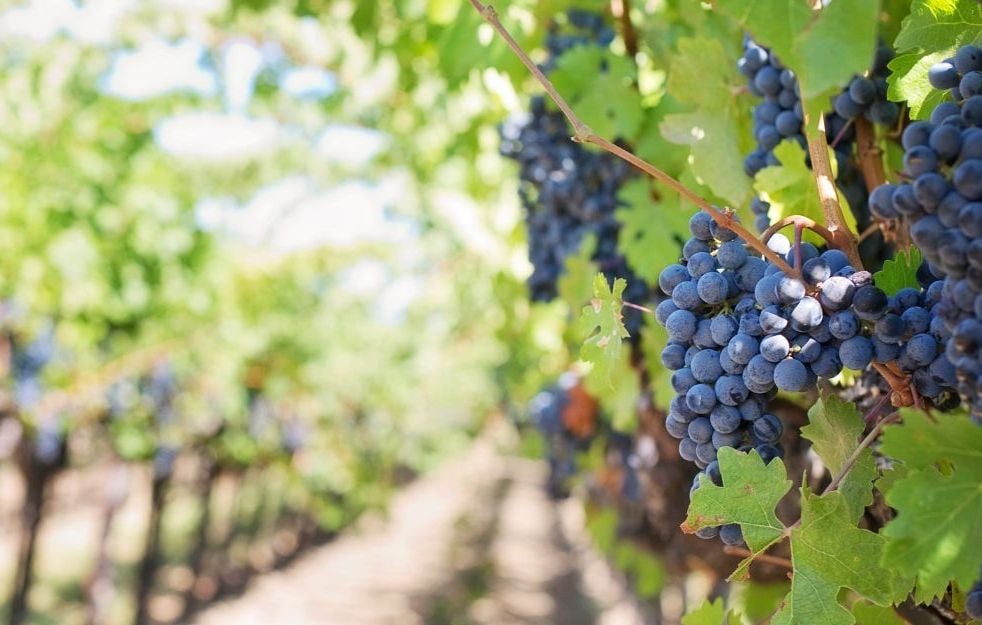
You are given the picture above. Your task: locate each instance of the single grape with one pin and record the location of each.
(681, 325)
(790, 375)
(845, 324)
(768, 428)
(856, 352)
(701, 398)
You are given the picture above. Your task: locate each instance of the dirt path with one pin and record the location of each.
(477, 542)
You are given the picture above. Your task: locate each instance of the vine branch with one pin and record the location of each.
(584, 134)
(798, 221)
(760, 557)
(622, 11)
(866, 442)
(818, 150)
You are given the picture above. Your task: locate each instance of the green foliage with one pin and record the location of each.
(802, 38)
(829, 552)
(900, 272)
(704, 76)
(599, 85)
(575, 285)
(709, 613)
(749, 495)
(790, 189)
(938, 501)
(834, 429)
(602, 323)
(932, 31)
(653, 228)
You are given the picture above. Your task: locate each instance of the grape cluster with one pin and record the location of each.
(779, 116)
(866, 96)
(568, 192)
(546, 413)
(740, 329)
(941, 198)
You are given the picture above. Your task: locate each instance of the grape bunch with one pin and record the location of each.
(569, 192)
(779, 116)
(941, 198)
(867, 95)
(740, 329)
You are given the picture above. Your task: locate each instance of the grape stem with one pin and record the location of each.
(865, 443)
(835, 221)
(761, 557)
(584, 134)
(638, 307)
(798, 221)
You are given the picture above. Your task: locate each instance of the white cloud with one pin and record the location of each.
(158, 68)
(217, 136)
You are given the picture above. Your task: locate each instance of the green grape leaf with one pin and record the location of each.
(848, 26)
(652, 231)
(709, 613)
(575, 284)
(790, 189)
(599, 85)
(834, 428)
(936, 531)
(749, 495)
(900, 272)
(802, 38)
(717, 132)
(932, 31)
(829, 553)
(871, 614)
(758, 600)
(939, 515)
(602, 323)
(919, 442)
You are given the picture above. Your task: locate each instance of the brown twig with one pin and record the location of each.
(761, 557)
(866, 442)
(622, 11)
(869, 155)
(797, 220)
(584, 134)
(818, 149)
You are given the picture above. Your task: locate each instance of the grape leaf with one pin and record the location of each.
(939, 516)
(603, 325)
(758, 600)
(652, 231)
(802, 38)
(900, 272)
(575, 284)
(932, 31)
(829, 552)
(749, 495)
(790, 189)
(835, 427)
(871, 614)
(936, 531)
(919, 442)
(709, 613)
(599, 85)
(703, 74)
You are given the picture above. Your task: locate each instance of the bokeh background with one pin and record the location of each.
(261, 268)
